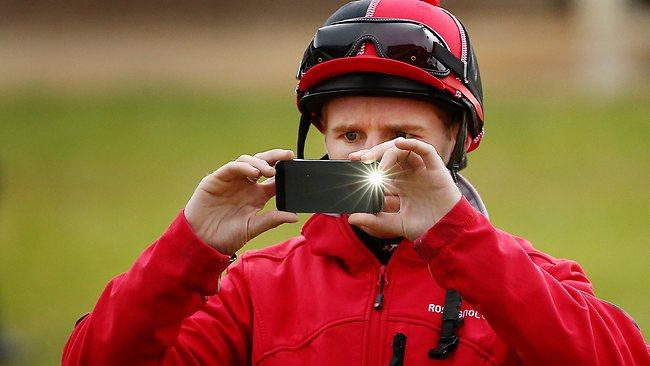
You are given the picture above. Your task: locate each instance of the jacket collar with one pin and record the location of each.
(332, 236)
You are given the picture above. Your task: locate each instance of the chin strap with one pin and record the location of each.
(303, 129)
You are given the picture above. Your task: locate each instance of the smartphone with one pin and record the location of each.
(328, 186)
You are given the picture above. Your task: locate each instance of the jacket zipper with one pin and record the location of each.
(376, 330)
(379, 299)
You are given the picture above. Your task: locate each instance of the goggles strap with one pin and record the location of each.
(456, 65)
(448, 59)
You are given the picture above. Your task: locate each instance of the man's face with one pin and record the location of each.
(355, 123)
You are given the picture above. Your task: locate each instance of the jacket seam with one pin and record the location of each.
(310, 338)
(450, 270)
(462, 229)
(456, 233)
(256, 315)
(365, 346)
(552, 261)
(362, 252)
(492, 344)
(259, 254)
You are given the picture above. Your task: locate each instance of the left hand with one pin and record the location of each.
(416, 174)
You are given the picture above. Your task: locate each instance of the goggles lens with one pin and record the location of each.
(404, 41)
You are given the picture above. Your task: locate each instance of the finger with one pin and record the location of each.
(391, 204)
(357, 154)
(268, 220)
(391, 157)
(376, 152)
(275, 155)
(236, 170)
(268, 186)
(381, 222)
(390, 183)
(408, 159)
(426, 151)
(263, 166)
(379, 234)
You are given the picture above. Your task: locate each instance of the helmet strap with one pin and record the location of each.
(303, 129)
(455, 161)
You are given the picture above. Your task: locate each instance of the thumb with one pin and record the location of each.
(381, 222)
(269, 220)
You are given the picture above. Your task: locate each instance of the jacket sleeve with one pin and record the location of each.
(166, 310)
(544, 309)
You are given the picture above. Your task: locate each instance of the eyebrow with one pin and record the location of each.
(390, 126)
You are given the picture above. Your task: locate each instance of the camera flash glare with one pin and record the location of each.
(376, 178)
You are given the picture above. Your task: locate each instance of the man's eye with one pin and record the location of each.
(351, 136)
(401, 134)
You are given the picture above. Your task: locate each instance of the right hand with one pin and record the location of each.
(223, 209)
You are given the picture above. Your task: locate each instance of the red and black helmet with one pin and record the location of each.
(410, 48)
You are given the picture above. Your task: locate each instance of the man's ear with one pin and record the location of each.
(468, 138)
(468, 141)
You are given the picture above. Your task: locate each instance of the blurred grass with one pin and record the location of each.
(87, 182)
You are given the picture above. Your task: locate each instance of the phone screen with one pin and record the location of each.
(328, 186)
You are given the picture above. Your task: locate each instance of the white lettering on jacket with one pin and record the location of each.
(435, 308)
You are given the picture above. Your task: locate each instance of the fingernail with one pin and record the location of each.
(366, 159)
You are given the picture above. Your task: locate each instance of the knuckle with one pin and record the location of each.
(272, 152)
(237, 165)
(244, 157)
(260, 163)
(392, 151)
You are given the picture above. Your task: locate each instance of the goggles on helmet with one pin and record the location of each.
(397, 39)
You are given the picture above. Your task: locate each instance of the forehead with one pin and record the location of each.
(381, 113)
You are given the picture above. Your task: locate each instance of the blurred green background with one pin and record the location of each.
(108, 124)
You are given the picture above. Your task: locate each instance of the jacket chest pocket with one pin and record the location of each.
(409, 342)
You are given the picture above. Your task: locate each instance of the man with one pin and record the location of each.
(428, 281)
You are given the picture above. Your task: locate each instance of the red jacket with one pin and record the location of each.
(310, 301)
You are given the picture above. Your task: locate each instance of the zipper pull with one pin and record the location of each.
(399, 347)
(379, 299)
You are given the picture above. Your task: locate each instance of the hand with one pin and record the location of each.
(223, 211)
(416, 174)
